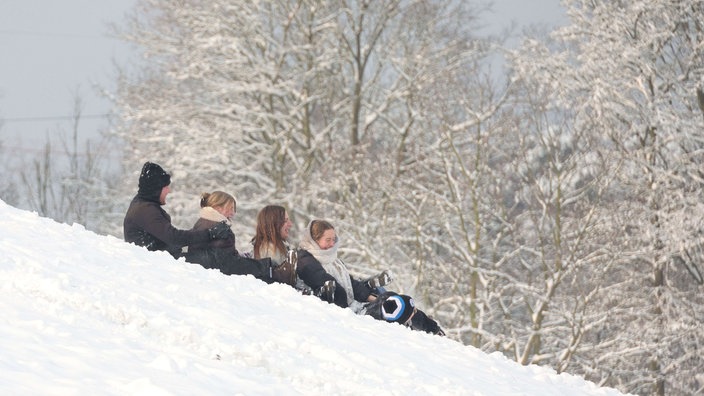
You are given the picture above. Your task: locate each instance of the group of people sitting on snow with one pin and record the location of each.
(312, 268)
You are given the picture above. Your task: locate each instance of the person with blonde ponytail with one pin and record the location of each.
(217, 207)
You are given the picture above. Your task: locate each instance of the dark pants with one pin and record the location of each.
(231, 264)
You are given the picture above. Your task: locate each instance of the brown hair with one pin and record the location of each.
(217, 199)
(318, 227)
(269, 222)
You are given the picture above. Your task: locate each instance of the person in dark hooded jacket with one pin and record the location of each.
(147, 224)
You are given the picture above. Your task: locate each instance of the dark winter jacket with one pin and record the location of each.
(204, 224)
(222, 255)
(147, 224)
(314, 275)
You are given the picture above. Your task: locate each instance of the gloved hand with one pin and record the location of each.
(220, 231)
(326, 292)
(380, 280)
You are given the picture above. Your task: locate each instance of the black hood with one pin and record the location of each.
(152, 179)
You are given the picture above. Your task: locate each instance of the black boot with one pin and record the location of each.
(422, 322)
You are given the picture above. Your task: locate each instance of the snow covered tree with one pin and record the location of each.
(397, 56)
(214, 104)
(632, 74)
(307, 103)
(553, 257)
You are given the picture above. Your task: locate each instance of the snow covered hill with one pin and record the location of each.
(90, 314)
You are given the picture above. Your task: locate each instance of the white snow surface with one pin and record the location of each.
(89, 314)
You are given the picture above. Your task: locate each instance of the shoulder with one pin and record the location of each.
(304, 254)
(308, 262)
(305, 258)
(203, 224)
(141, 209)
(209, 213)
(137, 203)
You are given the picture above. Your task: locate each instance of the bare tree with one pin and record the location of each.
(72, 184)
(36, 180)
(8, 185)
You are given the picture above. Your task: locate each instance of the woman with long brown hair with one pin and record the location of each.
(271, 241)
(271, 237)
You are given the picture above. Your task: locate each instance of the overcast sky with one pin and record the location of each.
(50, 51)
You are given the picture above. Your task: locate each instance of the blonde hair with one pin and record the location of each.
(217, 199)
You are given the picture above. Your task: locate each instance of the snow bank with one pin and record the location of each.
(90, 314)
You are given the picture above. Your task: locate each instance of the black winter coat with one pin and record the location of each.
(222, 255)
(314, 275)
(147, 224)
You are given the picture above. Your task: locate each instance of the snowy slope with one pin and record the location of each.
(89, 314)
